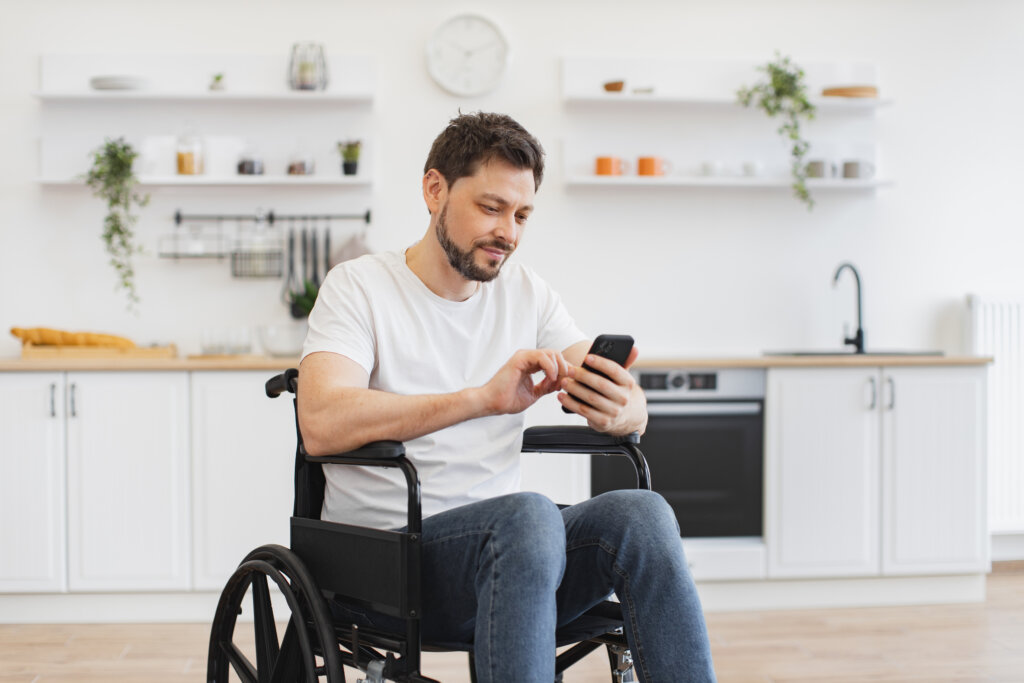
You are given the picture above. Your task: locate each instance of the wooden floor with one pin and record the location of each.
(975, 642)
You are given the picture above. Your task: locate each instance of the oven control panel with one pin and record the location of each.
(686, 383)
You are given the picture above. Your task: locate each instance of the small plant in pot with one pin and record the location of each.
(349, 150)
(112, 179)
(785, 93)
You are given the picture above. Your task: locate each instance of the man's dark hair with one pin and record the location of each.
(471, 140)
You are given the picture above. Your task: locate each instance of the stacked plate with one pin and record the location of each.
(117, 83)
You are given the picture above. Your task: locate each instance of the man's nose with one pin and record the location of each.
(507, 229)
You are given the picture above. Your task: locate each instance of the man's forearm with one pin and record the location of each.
(350, 417)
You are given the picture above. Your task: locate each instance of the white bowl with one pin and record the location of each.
(283, 340)
(117, 83)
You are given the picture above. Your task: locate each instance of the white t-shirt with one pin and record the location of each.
(377, 312)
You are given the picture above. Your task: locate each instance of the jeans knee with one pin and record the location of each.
(645, 512)
(532, 532)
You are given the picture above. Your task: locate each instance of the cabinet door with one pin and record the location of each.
(32, 533)
(128, 480)
(933, 472)
(821, 472)
(243, 456)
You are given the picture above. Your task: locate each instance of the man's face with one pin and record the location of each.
(480, 223)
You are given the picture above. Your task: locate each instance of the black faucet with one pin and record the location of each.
(857, 341)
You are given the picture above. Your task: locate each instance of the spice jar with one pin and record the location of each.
(190, 154)
(249, 163)
(301, 164)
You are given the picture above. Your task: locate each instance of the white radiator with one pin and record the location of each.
(997, 330)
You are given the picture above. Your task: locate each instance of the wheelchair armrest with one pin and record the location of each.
(381, 453)
(573, 439)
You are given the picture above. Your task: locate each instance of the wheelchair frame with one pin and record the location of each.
(327, 560)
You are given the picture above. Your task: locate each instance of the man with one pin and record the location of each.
(437, 347)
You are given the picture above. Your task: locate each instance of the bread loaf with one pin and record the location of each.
(45, 336)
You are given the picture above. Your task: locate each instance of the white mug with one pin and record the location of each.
(856, 168)
(819, 168)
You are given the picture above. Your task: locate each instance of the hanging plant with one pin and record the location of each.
(112, 180)
(785, 94)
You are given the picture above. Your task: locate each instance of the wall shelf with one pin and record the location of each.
(228, 181)
(824, 104)
(839, 184)
(305, 97)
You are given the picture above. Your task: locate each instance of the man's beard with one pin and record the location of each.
(464, 262)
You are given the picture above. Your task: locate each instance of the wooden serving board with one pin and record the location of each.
(34, 351)
(851, 91)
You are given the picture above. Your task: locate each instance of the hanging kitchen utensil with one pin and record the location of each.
(327, 248)
(314, 257)
(290, 281)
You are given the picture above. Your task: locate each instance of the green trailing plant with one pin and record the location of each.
(112, 180)
(784, 94)
(349, 150)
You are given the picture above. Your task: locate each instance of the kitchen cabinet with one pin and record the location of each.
(686, 112)
(32, 494)
(243, 456)
(875, 471)
(127, 473)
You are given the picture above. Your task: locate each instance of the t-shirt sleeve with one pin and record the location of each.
(555, 327)
(342, 321)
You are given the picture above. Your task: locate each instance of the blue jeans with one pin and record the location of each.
(505, 572)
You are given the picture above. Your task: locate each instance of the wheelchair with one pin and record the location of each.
(374, 569)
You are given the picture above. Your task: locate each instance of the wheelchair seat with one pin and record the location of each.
(345, 565)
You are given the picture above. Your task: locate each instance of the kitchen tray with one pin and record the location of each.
(34, 351)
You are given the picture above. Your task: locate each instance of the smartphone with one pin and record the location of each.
(615, 347)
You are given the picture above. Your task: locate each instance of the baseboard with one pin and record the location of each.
(1007, 546)
(732, 596)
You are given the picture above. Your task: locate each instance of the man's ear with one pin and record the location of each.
(435, 189)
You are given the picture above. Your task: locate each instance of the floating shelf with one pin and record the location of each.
(831, 104)
(231, 181)
(695, 181)
(290, 96)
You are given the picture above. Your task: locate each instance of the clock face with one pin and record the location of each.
(467, 55)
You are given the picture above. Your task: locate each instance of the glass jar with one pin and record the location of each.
(190, 154)
(250, 163)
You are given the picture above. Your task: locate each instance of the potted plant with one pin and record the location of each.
(785, 93)
(301, 302)
(349, 150)
(112, 180)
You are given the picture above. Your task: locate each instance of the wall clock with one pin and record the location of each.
(467, 55)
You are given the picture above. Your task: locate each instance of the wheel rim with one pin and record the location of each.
(292, 657)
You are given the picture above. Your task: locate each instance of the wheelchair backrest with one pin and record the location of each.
(309, 476)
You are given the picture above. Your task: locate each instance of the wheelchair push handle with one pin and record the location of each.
(286, 381)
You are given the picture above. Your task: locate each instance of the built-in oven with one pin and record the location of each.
(704, 445)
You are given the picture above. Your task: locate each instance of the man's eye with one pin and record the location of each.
(490, 209)
(522, 218)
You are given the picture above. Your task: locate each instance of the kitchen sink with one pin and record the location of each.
(841, 353)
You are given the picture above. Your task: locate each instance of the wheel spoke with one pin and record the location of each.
(267, 648)
(289, 664)
(242, 666)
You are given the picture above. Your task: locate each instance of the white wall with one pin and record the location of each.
(686, 272)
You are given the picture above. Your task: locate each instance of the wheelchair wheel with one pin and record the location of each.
(308, 649)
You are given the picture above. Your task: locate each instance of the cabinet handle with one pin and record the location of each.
(892, 393)
(53, 399)
(74, 413)
(874, 394)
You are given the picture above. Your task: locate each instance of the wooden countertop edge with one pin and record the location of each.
(110, 364)
(813, 361)
(281, 364)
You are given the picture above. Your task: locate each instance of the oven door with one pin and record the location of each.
(706, 459)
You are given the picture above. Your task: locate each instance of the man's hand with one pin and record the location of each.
(512, 389)
(616, 405)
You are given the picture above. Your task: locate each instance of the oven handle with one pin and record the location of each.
(680, 408)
